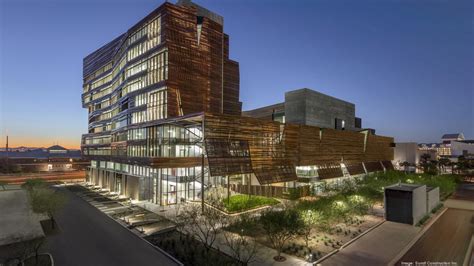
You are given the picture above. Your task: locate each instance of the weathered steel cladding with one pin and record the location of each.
(355, 168)
(331, 171)
(266, 147)
(373, 166)
(378, 148)
(200, 73)
(275, 148)
(388, 165)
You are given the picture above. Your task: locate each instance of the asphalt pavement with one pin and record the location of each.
(89, 237)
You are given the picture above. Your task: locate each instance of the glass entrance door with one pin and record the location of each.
(118, 184)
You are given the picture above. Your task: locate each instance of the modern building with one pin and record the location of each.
(445, 149)
(165, 120)
(447, 138)
(462, 148)
(311, 108)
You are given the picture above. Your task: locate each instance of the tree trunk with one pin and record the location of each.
(53, 222)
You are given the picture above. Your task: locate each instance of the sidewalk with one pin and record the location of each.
(378, 247)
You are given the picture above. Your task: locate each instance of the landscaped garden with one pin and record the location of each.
(240, 202)
(343, 211)
(190, 251)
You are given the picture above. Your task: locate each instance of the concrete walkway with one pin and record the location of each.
(378, 247)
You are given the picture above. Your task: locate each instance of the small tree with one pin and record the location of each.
(242, 248)
(310, 219)
(33, 183)
(281, 226)
(48, 202)
(443, 162)
(203, 225)
(405, 166)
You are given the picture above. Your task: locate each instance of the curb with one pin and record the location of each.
(348, 243)
(325, 257)
(133, 233)
(51, 258)
(469, 252)
(362, 234)
(417, 237)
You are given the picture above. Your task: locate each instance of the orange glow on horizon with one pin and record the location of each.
(14, 142)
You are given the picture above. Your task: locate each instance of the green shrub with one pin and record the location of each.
(238, 203)
(423, 220)
(435, 209)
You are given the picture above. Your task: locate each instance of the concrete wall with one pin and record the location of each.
(419, 203)
(432, 199)
(309, 107)
(406, 152)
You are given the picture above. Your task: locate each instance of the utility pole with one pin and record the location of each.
(6, 148)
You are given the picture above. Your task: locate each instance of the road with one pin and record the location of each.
(47, 176)
(447, 239)
(89, 237)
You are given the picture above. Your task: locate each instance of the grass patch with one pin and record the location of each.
(238, 203)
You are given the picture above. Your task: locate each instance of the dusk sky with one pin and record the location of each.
(406, 65)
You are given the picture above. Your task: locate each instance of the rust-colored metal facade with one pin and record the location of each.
(274, 150)
(201, 76)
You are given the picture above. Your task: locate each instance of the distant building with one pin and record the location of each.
(55, 151)
(53, 159)
(462, 148)
(447, 138)
(444, 149)
(311, 108)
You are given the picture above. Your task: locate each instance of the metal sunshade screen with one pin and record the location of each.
(331, 171)
(271, 160)
(378, 148)
(228, 156)
(373, 166)
(337, 145)
(388, 165)
(355, 169)
(276, 174)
